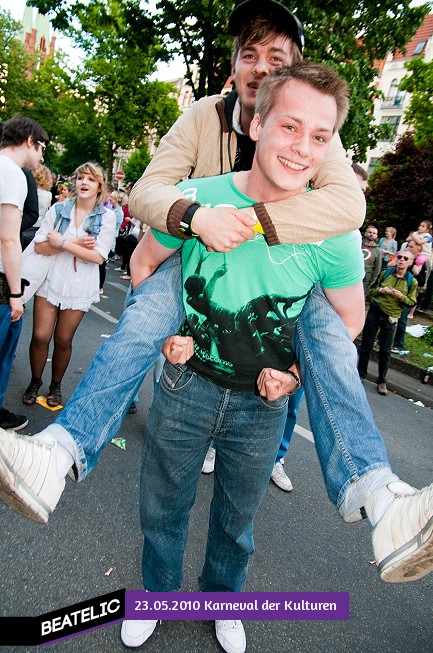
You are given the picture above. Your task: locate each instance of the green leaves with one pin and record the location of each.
(399, 193)
(419, 113)
(123, 42)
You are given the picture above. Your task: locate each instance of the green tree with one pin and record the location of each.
(419, 113)
(137, 163)
(122, 45)
(196, 30)
(350, 35)
(400, 190)
(15, 87)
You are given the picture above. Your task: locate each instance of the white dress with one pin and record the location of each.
(72, 284)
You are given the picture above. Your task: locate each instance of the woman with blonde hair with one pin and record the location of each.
(78, 234)
(389, 246)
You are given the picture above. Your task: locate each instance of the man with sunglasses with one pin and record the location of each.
(22, 145)
(394, 290)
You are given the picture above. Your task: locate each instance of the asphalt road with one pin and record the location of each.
(301, 543)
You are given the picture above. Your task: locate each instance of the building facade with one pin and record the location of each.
(391, 108)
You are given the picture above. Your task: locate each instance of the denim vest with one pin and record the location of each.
(93, 221)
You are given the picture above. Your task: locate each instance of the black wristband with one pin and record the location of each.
(297, 380)
(15, 295)
(185, 223)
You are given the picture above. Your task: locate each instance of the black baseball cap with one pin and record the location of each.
(285, 21)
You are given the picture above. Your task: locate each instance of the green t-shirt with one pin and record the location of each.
(242, 307)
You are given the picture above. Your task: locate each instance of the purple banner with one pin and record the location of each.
(248, 606)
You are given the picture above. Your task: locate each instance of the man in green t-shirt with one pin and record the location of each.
(241, 309)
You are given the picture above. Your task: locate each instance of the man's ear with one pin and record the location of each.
(30, 142)
(255, 127)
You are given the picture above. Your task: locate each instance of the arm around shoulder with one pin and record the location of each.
(176, 158)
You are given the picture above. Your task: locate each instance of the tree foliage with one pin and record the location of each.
(137, 163)
(15, 87)
(196, 30)
(400, 190)
(121, 45)
(419, 113)
(350, 35)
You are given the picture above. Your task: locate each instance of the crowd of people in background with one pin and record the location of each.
(396, 281)
(75, 223)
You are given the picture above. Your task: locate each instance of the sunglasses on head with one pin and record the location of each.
(401, 256)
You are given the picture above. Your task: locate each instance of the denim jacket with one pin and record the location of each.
(92, 222)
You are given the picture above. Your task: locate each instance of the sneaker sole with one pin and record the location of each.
(17, 428)
(29, 505)
(412, 561)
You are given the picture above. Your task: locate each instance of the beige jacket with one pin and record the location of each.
(201, 144)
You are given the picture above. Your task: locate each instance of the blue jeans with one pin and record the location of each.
(351, 450)
(189, 411)
(9, 336)
(348, 442)
(292, 412)
(376, 320)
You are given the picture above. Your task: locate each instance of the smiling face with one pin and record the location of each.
(291, 142)
(256, 60)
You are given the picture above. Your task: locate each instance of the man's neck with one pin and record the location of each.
(252, 184)
(245, 120)
(16, 154)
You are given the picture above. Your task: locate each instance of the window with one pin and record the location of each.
(395, 97)
(394, 122)
(419, 47)
(393, 89)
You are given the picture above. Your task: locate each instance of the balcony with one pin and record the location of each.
(393, 102)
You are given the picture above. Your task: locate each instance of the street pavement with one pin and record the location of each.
(301, 543)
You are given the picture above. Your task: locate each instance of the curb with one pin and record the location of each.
(404, 379)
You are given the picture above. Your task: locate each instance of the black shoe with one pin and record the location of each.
(132, 409)
(11, 421)
(54, 397)
(31, 393)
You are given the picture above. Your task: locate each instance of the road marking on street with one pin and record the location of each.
(119, 286)
(98, 311)
(305, 433)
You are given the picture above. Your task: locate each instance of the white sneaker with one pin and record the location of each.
(403, 537)
(209, 462)
(29, 480)
(280, 478)
(135, 632)
(231, 636)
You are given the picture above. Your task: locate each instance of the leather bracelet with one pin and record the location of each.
(297, 381)
(15, 295)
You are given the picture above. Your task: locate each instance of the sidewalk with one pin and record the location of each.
(403, 384)
(405, 378)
